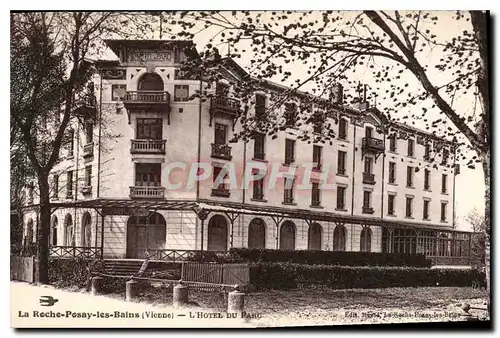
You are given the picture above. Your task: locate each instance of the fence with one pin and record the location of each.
(22, 268)
(214, 273)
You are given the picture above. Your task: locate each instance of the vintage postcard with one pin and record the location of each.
(249, 168)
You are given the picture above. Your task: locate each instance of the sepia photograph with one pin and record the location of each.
(250, 169)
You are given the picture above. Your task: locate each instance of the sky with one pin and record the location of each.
(470, 182)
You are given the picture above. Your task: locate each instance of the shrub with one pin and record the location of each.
(327, 257)
(284, 276)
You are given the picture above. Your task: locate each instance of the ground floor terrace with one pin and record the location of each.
(172, 230)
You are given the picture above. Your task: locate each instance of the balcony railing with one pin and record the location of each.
(86, 107)
(140, 98)
(288, 200)
(368, 178)
(220, 192)
(222, 151)
(147, 146)
(147, 192)
(224, 104)
(371, 144)
(367, 210)
(315, 203)
(259, 156)
(88, 150)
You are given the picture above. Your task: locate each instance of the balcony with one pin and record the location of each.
(368, 178)
(225, 105)
(147, 147)
(368, 210)
(220, 192)
(289, 160)
(372, 145)
(85, 107)
(147, 192)
(221, 151)
(88, 150)
(146, 98)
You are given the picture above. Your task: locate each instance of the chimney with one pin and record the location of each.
(360, 105)
(337, 94)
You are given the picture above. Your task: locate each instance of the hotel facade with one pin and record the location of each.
(147, 172)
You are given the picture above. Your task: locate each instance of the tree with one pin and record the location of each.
(49, 72)
(396, 51)
(479, 227)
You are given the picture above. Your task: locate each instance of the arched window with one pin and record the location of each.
(68, 231)
(145, 234)
(314, 237)
(53, 234)
(287, 236)
(150, 81)
(386, 240)
(366, 240)
(339, 238)
(86, 234)
(257, 234)
(217, 233)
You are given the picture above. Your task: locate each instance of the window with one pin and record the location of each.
(221, 89)
(315, 195)
(392, 143)
(288, 193)
(55, 182)
(444, 187)
(367, 199)
(31, 193)
(426, 209)
(409, 207)
(221, 183)
(366, 240)
(88, 176)
(427, 153)
(149, 129)
(317, 157)
(260, 105)
(343, 129)
(258, 148)
(446, 153)
(258, 189)
(368, 132)
(89, 131)
(368, 165)
(220, 133)
(69, 184)
(411, 147)
(71, 145)
(148, 174)
(390, 204)
(289, 151)
(118, 92)
(341, 198)
(341, 162)
(443, 211)
(409, 177)
(181, 93)
(339, 238)
(290, 114)
(427, 179)
(392, 172)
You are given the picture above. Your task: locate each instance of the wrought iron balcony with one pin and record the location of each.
(146, 98)
(368, 178)
(288, 200)
(315, 203)
(225, 105)
(368, 210)
(259, 156)
(222, 151)
(220, 192)
(147, 192)
(88, 150)
(85, 107)
(147, 146)
(372, 145)
(289, 160)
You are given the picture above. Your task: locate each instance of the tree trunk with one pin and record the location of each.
(42, 265)
(487, 219)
